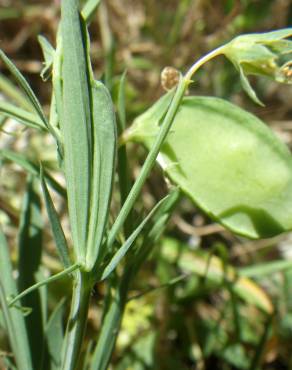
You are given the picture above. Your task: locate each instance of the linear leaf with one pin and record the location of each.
(56, 226)
(122, 102)
(54, 335)
(76, 123)
(13, 92)
(30, 249)
(13, 317)
(103, 167)
(27, 118)
(89, 9)
(47, 281)
(113, 312)
(267, 268)
(129, 242)
(25, 86)
(32, 168)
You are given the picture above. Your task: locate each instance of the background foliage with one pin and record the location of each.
(206, 299)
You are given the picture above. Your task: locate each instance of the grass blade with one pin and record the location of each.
(30, 249)
(129, 242)
(27, 118)
(14, 319)
(56, 226)
(122, 166)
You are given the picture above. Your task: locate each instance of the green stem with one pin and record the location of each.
(111, 324)
(150, 160)
(77, 321)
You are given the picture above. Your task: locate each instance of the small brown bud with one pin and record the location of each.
(169, 78)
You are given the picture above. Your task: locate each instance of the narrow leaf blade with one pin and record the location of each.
(30, 249)
(56, 226)
(103, 167)
(76, 124)
(24, 85)
(129, 242)
(13, 317)
(27, 118)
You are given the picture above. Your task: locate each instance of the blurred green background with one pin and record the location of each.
(206, 299)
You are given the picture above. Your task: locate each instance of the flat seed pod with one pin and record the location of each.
(228, 162)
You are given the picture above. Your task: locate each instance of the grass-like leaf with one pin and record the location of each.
(114, 308)
(32, 169)
(13, 92)
(56, 226)
(129, 242)
(25, 86)
(27, 118)
(54, 335)
(89, 9)
(14, 319)
(47, 281)
(30, 249)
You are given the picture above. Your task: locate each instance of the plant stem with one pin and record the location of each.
(77, 320)
(148, 164)
(111, 323)
(150, 160)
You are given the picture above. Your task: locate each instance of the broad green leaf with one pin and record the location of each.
(129, 242)
(27, 118)
(56, 226)
(228, 162)
(103, 167)
(30, 249)
(32, 169)
(76, 124)
(14, 319)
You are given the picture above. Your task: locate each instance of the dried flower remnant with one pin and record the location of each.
(169, 78)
